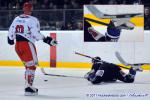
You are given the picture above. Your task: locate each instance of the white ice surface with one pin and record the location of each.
(65, 88)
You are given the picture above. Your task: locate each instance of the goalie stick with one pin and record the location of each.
(84, 55)
(96, 59)
(43, 71)
(117, 54)
(100, 14)
(128, 64)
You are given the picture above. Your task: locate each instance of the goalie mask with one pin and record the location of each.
(96, 60)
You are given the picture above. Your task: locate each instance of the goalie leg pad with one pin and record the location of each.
(132, 72)
(129, 78)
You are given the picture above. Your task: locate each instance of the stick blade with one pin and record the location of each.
(120, 58)
(58, 75)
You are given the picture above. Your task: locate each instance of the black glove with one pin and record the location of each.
(10, 42)
(50, 41)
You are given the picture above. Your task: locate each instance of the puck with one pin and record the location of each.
(45, 80)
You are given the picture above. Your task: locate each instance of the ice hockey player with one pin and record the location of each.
(25, 30)
(107, 72)
(112, 34)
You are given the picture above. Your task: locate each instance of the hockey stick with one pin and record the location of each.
(128, 64)
(100, 14)
(119, 16)
(96, 21)
(96, 59)
(95, 11)
(121, 59)
(43, 71)
(84, 55)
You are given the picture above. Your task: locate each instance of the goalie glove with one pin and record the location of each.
(10, 42)
(50, 41)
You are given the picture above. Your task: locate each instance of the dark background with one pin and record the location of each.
(60, 14)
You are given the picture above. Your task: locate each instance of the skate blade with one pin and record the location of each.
(30, 94)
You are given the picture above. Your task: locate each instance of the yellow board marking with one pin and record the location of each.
(80, 65)
(73, 65)
(47, 64)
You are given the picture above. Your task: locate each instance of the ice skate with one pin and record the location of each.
(31, 91)
(137, 68)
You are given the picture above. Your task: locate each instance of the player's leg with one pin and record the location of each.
(112, 33)
(95, 34)
(91, 33)
(127, 78)
(27, 53)
(132, 73)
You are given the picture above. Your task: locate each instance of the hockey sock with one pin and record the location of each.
(29, 75)
(95, 34)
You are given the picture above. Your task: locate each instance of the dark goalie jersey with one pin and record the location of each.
(109, 72)
(104, 72)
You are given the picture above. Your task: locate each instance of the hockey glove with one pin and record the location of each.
(50, 41)
(10, 42)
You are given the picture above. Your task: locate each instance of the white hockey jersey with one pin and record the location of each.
(27, 26)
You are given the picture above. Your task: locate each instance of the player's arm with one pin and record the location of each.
(39, 36)
(11, 34)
